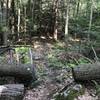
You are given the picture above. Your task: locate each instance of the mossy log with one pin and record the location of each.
(86, 72)
(24, 72)
(11, 92)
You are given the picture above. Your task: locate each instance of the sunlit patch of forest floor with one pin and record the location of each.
(53, 62)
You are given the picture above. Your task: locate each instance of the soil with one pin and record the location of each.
(51, 80)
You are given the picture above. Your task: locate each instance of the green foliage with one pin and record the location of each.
(22, 49)
(83, 61)
(53, 61)
(3, 28)
(63, 61)
(24, 2)
(97, 87)
(70, 94)
(23, 54)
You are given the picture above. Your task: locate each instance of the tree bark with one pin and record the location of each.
(90, 21)
(55, 33)
(67, 21)
(23, 72)
(78, 7)
(19, 17)
(11, 92)
(86, 72)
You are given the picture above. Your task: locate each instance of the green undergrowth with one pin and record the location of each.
(53, 61)
(17, 55)
(69, 95)
(59, 57)
(23, 53)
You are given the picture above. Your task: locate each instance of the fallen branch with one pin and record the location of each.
(96, 58)
(88, 59)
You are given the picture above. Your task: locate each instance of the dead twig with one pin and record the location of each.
(88, 59)
(96, 57)
(74, 59)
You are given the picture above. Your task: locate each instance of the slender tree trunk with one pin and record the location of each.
(25, 23)
(78, 6)
(66, 22)
(19, 12)
(1, 35)
(90, 22)
(2, 11)
(33, 5)
(12, 17)
(87, 8)
(7, 13)
(55, 19)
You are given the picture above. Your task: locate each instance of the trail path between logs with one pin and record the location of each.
(50, 80)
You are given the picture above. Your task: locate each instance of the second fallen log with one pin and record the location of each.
(12, 92)
(86, 72)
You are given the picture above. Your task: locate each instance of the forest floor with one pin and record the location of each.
(52, 79)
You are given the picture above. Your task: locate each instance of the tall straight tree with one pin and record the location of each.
(78, 7)
(33, 11)
(7, 7)
(66, 20)
(55, 3)
(19, 17)
(12, 17)
(91, 17)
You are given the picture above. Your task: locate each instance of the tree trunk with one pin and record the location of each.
(78, 7)
(33, 6)
(55, 19)
(12, 16)
(23, 72)
(25, 24)
(18, 24)
(7, 12)
(87, 72)
(90, 21)
(67, 22)
(11, 92)
(5, 38)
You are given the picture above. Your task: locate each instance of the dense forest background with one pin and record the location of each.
(53, 19)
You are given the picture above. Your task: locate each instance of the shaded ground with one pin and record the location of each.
(50, 79)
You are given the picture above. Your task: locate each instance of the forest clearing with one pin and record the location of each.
(49, 50)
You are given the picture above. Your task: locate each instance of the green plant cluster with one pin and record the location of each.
(23, 54)
(54, 61)
(69, 95)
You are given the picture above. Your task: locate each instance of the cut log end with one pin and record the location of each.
(24, 73)
(86, 72)
(11, 92)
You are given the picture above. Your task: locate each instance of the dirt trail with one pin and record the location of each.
(50, 80)
(47, 76)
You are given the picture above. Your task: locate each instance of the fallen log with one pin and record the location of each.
(24, 72)
(86, 72)
(12, 92)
